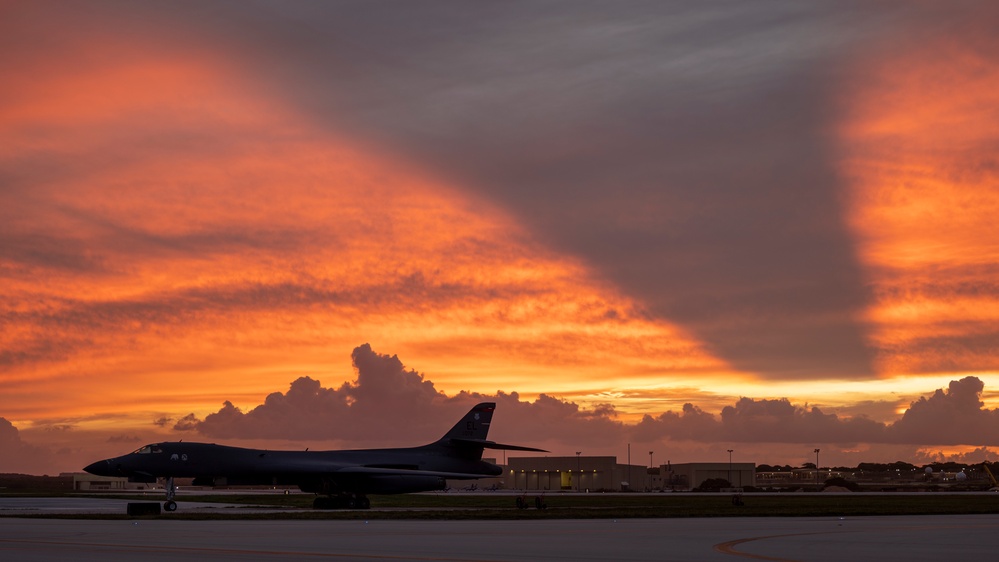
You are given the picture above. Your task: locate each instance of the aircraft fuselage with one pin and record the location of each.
(384, 471)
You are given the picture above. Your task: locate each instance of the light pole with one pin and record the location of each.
(730, 467)
(816, 467)
(578, 470)
(651, 466)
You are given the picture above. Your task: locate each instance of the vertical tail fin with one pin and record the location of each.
(467, 438)
(475, 424)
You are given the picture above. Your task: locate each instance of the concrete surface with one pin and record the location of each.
(910, 538)
(83, 506)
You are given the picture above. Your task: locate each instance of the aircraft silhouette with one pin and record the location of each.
(340, 479)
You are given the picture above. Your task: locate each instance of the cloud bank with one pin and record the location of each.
(21, 457)
(388, 402)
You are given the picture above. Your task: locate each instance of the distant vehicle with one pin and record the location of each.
(341, 479)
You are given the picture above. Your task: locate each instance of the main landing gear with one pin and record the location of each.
(171, 491)
(342, 501)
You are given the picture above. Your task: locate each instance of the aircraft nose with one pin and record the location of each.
(100, 468)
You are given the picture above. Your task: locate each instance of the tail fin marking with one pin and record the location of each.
(475, 424)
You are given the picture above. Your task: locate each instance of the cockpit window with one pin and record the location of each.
(148, 449)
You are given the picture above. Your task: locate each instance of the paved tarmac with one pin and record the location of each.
(910, 538)
(83, 506)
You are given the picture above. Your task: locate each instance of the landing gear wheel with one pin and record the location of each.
(171, 491)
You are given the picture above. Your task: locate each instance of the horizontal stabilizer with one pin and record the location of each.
(491, 445)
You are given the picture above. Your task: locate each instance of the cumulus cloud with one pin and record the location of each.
(551, 420)
(691, 423)
(761, 420)
(186, 423)
(950, 416)
(414, 412)
(388, 402)
(974, 456)
(19, 456)
(780, 421)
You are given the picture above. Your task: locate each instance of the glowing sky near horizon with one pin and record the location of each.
(204, 206)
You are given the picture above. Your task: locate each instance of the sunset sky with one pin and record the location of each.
(690, 227)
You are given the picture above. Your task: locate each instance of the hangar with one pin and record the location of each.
(582, 474)
(574, 474)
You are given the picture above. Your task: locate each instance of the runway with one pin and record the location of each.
(787, 538)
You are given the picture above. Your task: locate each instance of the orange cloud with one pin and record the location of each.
(920, 145)
(176, 239)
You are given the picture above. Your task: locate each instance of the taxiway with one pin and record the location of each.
(910, 538)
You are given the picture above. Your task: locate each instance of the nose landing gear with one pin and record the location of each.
(171, 491)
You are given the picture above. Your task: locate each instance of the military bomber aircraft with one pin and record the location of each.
(340, 479)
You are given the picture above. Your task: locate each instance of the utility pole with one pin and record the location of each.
(580, 475)
(629, 467)
(730, 468)
(816, 467)
(651, 466)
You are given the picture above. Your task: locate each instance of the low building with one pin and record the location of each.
(575, 473)
(687, 476)
(83, 482)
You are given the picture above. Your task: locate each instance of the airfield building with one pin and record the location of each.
(83, 482)
(606, 474)
(574, 473)
(686, 476)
